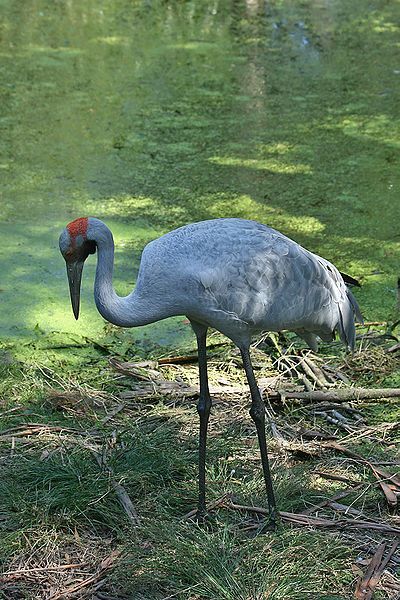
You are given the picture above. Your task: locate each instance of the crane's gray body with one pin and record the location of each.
(240, 277)
(234, 275)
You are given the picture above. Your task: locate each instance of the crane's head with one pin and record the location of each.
(75, 248)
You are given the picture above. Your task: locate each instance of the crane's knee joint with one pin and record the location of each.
(204, 405)
(257, 413)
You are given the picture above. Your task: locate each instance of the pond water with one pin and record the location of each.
(150, 114)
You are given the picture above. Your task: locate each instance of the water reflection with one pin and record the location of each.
(152, 114)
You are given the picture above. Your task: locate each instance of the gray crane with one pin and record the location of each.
(234, 275)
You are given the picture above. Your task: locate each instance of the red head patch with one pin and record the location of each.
(78, 227)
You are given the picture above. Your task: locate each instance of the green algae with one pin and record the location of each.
(152, 115)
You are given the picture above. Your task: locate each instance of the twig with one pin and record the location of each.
(144, 371)
(21, 572)
(66, 593)
(335, 477)
(348, 510)
(27, 429)
(175, 360)
(371, 323)
(390, 484)
(121, 492)
(182, 390)
(394, 348)
(335, 373)
(105, 565)
(339, 422)
(337, 496)
(113, 413)
(343, 394)
(316, 372)
(210, 506)
(188, 589)
(367, 584)
(340, 523)
(307, 383)
(309, 521)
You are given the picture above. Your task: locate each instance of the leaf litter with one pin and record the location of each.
(315, 414)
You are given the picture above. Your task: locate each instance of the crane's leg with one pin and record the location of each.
(257, 413)
(203, 408)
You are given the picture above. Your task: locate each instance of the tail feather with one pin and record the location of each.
(355, 307)
(348, 310)
(349, 280)
(310, 339)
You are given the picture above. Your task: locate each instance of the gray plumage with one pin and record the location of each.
(234, 275)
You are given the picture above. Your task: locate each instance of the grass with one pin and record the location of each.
(57, 507)
(151, 115)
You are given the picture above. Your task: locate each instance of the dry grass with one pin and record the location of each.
(65, 532)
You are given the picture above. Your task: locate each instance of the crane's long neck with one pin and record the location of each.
(128, 311)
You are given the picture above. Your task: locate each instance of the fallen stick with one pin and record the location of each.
(174, 388)
(340, 523)
(311, 371)
(347, 510)
(210, 506)
(187, 358)
(175, 360)
(367, 584)
(72, 589)
(342, 394)
(370, 323)
(335, 477)
(21, 572)
(105, 565)
(336, 374)
(27, 429)
(334, 498)
(309, 521)
(113, 413)
(144, 371)
(393, 348)
(390, 484)
(339, 422)
(120, 491)
(317, 372)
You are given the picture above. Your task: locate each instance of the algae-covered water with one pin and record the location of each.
(150, 114)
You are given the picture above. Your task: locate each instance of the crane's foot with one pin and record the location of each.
(271, 523)
(204, 520)
(269, 526)
(266, 525)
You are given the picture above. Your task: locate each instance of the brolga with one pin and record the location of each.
(234, 275)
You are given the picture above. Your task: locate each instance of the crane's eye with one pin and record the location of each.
(90, 246)
(81, 252)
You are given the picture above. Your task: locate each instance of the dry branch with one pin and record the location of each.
(105, 565)
(120, 491)
(335, 477)
(348, 510)
(309, 521)
(367, 584)
(16, 574)
(144, 371)
(221, 501)
(300, 519)
(178, 360)
(343, 394)
(317, 372)
(328, 501)
(390, 484)
(27, 429)
(175, 388)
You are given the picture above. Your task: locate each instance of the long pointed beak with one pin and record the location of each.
(74, 272)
